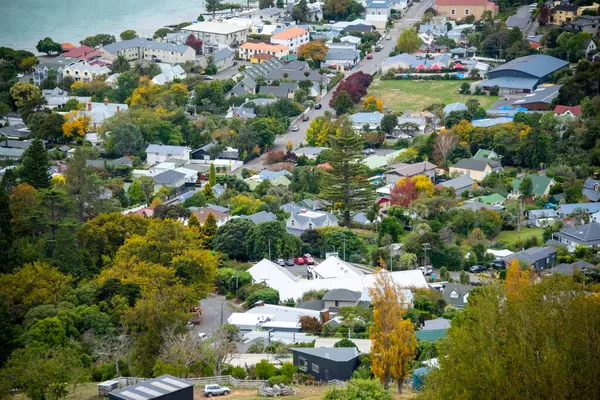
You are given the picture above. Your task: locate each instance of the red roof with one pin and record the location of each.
(420, 66)
(458, 65)
(461, 2)
(324, 166)
(575, 110)
(534, 45)
(93, 54)
(78, 52)
(436, 67)
(67, 46)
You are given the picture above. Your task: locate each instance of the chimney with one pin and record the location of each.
(89, 106)
(105, 100)
(118, 108)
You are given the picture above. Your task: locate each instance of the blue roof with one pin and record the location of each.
(366, 118)
(510, 82)
(272, 175)
(537, 65)
(487, 122)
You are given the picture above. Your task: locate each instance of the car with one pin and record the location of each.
(216, 390)
(281, 262)
(289, 262)
(378, 47)
(300, 260)
(369, 56)
(477, 269)
(309, 259)
(207, 77)
(425, 270)
(295, 128)
(20, 76)
(388, 37)
(368, 152)
(305, 118)
(318, 106)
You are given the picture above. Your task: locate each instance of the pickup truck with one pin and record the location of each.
(216, 390)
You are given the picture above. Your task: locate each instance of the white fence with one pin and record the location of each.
(227, 380)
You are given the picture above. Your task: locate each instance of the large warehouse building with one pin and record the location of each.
(524, 74)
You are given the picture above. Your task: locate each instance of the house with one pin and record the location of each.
(361, 119)
(335, 299)
(327, 364)
(144, 49)
(16, 130)
(285, 90)
(247, 50)
(483, 154)
(292, 38)
(100, 112)
(11, 153)
(580, 266)
(342, 58)
(459, 9)
(83, 53)
(461, 184)
(406, 61)
(216, 34)
(382, 161)
(585, 23)
(476, 169)
(109, 163)
(539, 258)
(461, 52)
(494, 199)
(489, 122)
(259, 217)
(309, 152)
(587, 235)
(572, 112)
(563, 13)
(456, 294)
(454, 107)
(363, 27)
(475, 205)
(222, 216)
(223, 59)
(523, 74)
(85, 72)
(276, 178)
(403, 170)
(565, 210)
(57, 98)
(378, 12)
(541, 185)
(308, 219)
(591, 189)
(169, 73)
(355, 41)
(333, 267)
(540, 99)
(271, 14)
(271, 317)
(240, 112)
(165, 387)
(170, 178)
(157, 153)
(541, 218)
(588, 47)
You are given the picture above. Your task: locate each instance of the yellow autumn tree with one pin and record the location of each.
(372, 104)
(423, 184)
(517, 280)
(464, 130)
(76, 124)
(146, 94)
(393, 339)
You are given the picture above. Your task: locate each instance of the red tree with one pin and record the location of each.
(356, 85)
(194, 43)
(404, 192)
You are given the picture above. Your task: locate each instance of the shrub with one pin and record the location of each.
(264, 370)
(494, 91)
(345, 343)
(238, 373)
(278, 380)
(287, 369)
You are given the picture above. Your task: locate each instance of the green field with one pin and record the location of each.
(511, 237)
(401, 95)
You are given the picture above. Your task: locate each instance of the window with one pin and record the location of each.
(337, 303)
(302, 364)
(453, 295)
(310, 225)
(315, 368)
(466, 11)
(453, 11)
(292, 222)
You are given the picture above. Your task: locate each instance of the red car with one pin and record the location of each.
(369, 56)
(308, 259)
(299, 260)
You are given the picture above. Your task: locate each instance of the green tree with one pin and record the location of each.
(48, 46)
(120, 65)
(128, 34)
(198, 199)
(345, 343)
(526, 187)
(267, 295)
(342, 103)
(230, 237)
(6, 231)
(264, 369)
(125, 139)
(464, 278)
(212, 176)
(363, 389)
(212, 6)
(34, 166)
(300, 11)
(408, 41)
(162, 33)
(98, 40)
(66, 255)
(265, 4)
(389, 123)
(209, 229)
(346, 183)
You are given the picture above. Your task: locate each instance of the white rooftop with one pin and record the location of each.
(214, 27)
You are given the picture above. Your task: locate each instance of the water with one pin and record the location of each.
(24, 22)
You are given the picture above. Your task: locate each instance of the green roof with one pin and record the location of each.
(540, 184)
(492, 198)
(290, 57)
(484, 154)
(431, 336)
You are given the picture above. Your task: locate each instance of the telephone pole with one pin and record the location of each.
(426, 246)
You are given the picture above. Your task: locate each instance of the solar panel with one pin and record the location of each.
(133, 396)
(175, 382)
(164, 386)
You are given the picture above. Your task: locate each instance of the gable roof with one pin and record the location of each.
(222, 54)
(342, 54)
(366, 118)
(461, 182)
(531, 255)
(537, 65)
(151, 389)
(168, 177)
(460, 289)
(316, 305)
(476, 165)
(336, 354)
(454, 107)
(587, 234)
(333, 267)
(165, 149)
(289, 33)
(492, 198)
(540, 184)
(342, 295)
(260, 217)
(575, 110)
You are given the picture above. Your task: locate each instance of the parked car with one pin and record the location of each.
(20, 76)
(477, 269)
(300, 260)
(498, 264)
(207, 77)
(368, 152)
(305, 118)
(378, 47)
(425, 270)
(289, 262)
(388, 37)
(216, 390)
(318, 106)
(308, 259)
(295, 128)
(281, 262)
(369, 56)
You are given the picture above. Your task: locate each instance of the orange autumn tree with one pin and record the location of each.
(517, 280)
(314, 50)
(372, 104)
(75, 125)
(393, 339)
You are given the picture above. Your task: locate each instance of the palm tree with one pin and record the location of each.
(139, 68)
(120, 64)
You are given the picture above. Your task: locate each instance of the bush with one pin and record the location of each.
(268, 295)
(287, 369)
(345, 343)
(278, 380)
(264, 370)
(238, 373)
(494, 91)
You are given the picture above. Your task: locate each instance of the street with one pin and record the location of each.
(212, 307)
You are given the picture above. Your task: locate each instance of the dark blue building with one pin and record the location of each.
(165, 387)
(327, 364)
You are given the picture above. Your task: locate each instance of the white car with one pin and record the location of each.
(388, 37)
(295, 128)
(20, 76)
(425, 270)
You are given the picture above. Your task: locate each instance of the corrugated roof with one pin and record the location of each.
(289, 33)
(152, 388)
(337, 354)
(537, 65)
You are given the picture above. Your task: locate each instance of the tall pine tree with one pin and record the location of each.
(34, 166)
(346, 184)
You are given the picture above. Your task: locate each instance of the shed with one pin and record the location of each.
(419, 376)
(164, 387)
(327, 364)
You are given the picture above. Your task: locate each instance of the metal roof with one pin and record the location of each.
(537, 65)
(337, 354)
(152, 388)
(148, 44)
(168, 177)
(510, 83)
(476, 165)
(461, 182)
(342, 54)
(342, 295)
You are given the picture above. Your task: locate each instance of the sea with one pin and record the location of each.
(24, 22)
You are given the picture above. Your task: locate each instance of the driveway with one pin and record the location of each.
(215, 309)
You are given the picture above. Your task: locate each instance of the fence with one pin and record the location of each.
(227, 380)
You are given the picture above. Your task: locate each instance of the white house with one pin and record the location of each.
(156, 153)
(269, 316)
(292, 38)
(378, 13)
(169, 73)
(99, 112)
(144, 49)
(308, 219)
(82, 71)
(333, 267)
(248, 50)
(217, 34)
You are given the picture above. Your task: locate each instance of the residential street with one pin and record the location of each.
(211, 313)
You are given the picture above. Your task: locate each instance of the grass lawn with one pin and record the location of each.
(401, 95)
(513, 236)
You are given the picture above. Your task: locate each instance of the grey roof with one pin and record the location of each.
(461, 182)
(434, 324)
(567, 269)
(316, 305)
(546, 213)
(217, 208)
(510, 82)
(281, 91)
(10, 152)
(403, 169)
(588, 234)
(151, 388)
(585, 20)
(454, 107)
(476, 165)
(458, 288)
(590, 191)
(532, 255)
(337, 354)
(537, 65)
(477, 205)
(414, 61)
(168, 177)
(516, 21)
(16, 144)
(567, 209)
(272, 11)
(317, 221)
(110, 163)
(378, 4)
(342, 54)
(262, 102)
(342, 295)
(366, 118)
(359, 28)
(164, 149)
(361, 218)
(218, 190)
(293, 75)
(148, 44)
(260, 217)
(440, 29)
(222, 54)
(309, 151)
(15, 131)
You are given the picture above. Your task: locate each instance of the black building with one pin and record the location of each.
(165, 387)
(327, 364)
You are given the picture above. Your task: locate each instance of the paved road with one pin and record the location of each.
(411, 17)
(212, 307)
